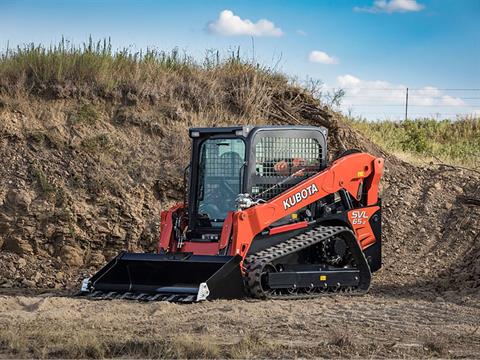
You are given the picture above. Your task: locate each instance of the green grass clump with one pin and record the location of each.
(84, 114)
(44, 184)
(98, 142)
(452, 141)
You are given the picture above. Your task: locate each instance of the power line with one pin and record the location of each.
(406, 105)
(402, 105)
(411, 114)
(410, 95)
(423, 103)
(400, 89)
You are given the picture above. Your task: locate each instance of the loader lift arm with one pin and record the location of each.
(349, 173)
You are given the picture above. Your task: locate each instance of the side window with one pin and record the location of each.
(283, 162)
(219, 179)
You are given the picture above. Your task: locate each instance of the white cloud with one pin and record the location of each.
(452, 101)
(229, 24)
(391, 6)
(348, 81)
(354, 85)
(317, 56)
(379, 96)
(301, 33)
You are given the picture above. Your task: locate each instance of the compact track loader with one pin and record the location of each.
(264, 216)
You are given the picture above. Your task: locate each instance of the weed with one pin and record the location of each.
(250, 346)
(42, 137)
(81, 346)
(37, 137)
(436, 346)
(141, 348)
(85, 114)
(61, 196)
(188, 347)
(341, 340)
(97, 143)
(44, 184)
(60, 341)
(71, 231)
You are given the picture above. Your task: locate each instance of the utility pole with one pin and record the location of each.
(406, 105)
(253, 51)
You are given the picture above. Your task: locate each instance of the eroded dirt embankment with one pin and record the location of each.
(82, 180)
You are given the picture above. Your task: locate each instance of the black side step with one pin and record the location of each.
(312, 279)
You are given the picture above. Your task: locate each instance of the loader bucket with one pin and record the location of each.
(172, 277)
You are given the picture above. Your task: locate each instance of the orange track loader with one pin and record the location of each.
(264, 216)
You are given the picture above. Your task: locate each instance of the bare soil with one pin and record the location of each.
(377, 325)
(75, 191)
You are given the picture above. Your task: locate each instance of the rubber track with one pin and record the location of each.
(255, 263)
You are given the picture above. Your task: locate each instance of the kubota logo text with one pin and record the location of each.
(299, 196)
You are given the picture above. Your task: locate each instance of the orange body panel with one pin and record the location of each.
(226, 230)
(347, 173)
(207, 248)
(359, 219)
(166, 227)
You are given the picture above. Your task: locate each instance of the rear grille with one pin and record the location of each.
(278, 158)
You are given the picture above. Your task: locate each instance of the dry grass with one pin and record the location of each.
(341, 340)
(438, 347)
(62, 341)
(254, 345)
(96, 338)
(105, 92)
(13, 342)
(213, 91)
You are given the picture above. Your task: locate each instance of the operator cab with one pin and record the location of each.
(262, 161)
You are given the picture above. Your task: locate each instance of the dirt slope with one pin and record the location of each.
(83, 178)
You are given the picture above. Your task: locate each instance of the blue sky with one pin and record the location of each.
(373, 48)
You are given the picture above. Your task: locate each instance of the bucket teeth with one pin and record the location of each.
(171, 298)
(97, 295)
(188, 299)
(112, 295)
(126, 296)
(140, 296)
